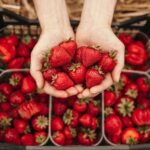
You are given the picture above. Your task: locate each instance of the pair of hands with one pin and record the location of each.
(87, 35)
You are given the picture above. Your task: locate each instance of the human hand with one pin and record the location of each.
(47, 40)
(104, 37)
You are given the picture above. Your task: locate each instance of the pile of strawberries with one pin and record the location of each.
(137, 57)
(127, 110)
(65, 65)
(76, 121)
(15, 52)
(23, 112)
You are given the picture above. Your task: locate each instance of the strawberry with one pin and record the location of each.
(114, 138)
(107, 62)
(87, 137)
(59, 57)
(40, 123)
(144, 103)
(28, 109)
(130, 136)
(57, 124)
(80, 105)
(43, 108)
(69, 132)
(21, 126)
(85, 120)
(127, 122)
(93, 108)
(28, 85)
(131, 90)
(6, 88)
(10, 40)
(77, 72)
(59, 108)
(78, 55)
(5, 106)
(5, 120)
(71, 100)
(94, 123)
(109, 111)
(14, 113)
(90, 56)
(27, 139)
(144, 134)
(61, 81)
(126, 39)
(71, 118)
(17, 97)
(113, 125)
(15, 79)
(70, 46)
(59, 138)
(11, 136)
(124, 80)
(93, 77)
(40, 137)
(16, 63)
(125, 106)
(49, 73)
(109, 98)
(43, 97)
(23, 50)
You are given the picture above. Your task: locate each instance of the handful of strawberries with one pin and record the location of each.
(66, 65)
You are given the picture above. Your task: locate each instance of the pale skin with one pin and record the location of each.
(94, 29)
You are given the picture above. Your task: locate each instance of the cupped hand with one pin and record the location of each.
(107, 40)
(46, 41)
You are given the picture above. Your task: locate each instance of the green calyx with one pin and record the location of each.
(42, 122)
(98, 69)
(5, 122)
(68, 117)
(54, 77)
(108, 111)
(13, 81)
(113, 54)
(144, 129)
(73, 132)
(132, 93)
(2, 97)
(84, 100)
(131, 141)
(40, 139)
(126, 107)
(88, 133)
(74, 66)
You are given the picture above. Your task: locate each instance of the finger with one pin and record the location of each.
(79, 88)
(104, 85)
(72, 91)
(53, 92)
(120, 64)
(35, 70)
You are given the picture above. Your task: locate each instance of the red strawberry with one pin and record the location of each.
(16, 63)
(71, 118)
(5, 88)
(14, 113)
(93, 77)
(130, 136)
(23, 50)
(5, 106)
(80, 105)
(27, 139)
(39, 123)
(127, 122)
(70, 46)
(77, 72)
(69, 132)
(5, 120)
(90, 56)
(28, 85)
(59, 57)
(78, 56)
(71, 100)
(57, 124)
(15, 79)
(113, 125)
(59, 138)
(126, 39)
(85, 120)
(87, 137)
(107, 62)
(11, 136)
(40, 137)
(132, 90)
(125, 106)
(109, 111)
(144, 134)
(114, 139)
(43, 109)
(61, 81)
(94, 123)
(7, 52)
(124, 80)
(109, 98)
(10, 40)
(28, 109)
(17, 98)
(144, 103)
(59, 108)
(143, 84)
(43, 97)
(21, 126)
(93, 108)
(49, 73)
